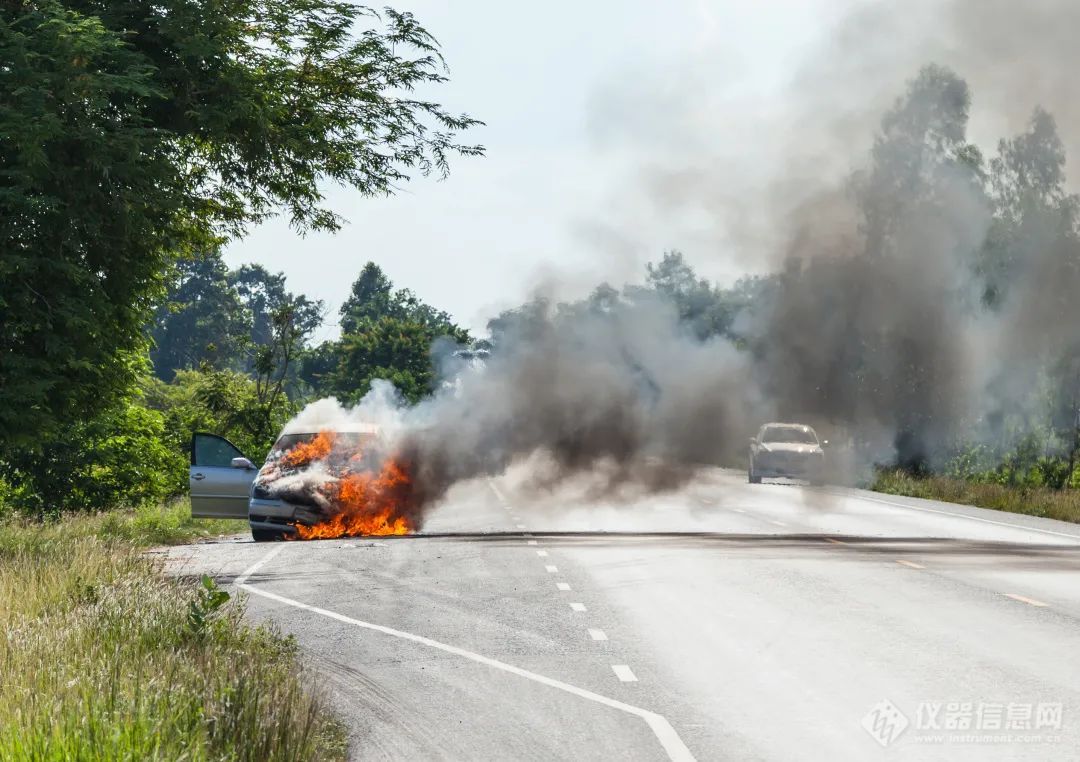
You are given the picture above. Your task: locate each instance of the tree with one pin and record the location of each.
(202, 322)
(131, 132)
(372, 297)
(386, 333)
(919, 157)
(704, 308)
(263, 295)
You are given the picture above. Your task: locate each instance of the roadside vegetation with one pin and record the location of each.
(136, 142)
(1033, 500)
(104, 657)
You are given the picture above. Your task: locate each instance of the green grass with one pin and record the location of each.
(1063, 504)
(105, 658)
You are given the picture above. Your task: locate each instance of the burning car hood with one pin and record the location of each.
(351, 487)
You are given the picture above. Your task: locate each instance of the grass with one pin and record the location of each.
(1063, 504)
(105, 658)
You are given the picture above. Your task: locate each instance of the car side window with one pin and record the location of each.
(212, 451)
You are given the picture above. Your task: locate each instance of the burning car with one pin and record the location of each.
(790, 450)
(335, 482)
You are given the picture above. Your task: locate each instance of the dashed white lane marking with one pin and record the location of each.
(673, 745)
(542, 553)
(1025, 599)
(564, 586)
(705, 500)
(552, 569)
(497, 491)
(912, 564)
(251, 569)
(520, 526)
(623, 673)
(778, 523)
(530, 542)
(738, 510)
(597, 634)
(578, 606)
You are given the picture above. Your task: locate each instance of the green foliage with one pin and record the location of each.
(119, 458)
(386, 334)
(1030, 499)
(225, 402)
(88, 210)
(133, 132)
(265, 298)
(102, 658)
(202, 323)
(204, 607)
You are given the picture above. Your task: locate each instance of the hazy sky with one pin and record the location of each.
(573, 94)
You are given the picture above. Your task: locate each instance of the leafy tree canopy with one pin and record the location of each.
(386, 333)
(133, 131)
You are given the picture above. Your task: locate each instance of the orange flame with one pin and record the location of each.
(365, 503)
(304, 453)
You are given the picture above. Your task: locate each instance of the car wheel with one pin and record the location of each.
(266, 535)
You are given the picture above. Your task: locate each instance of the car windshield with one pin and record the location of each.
(796, 434)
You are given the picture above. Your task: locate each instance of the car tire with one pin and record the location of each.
(266, 535)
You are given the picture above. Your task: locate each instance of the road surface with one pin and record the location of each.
(721, 621)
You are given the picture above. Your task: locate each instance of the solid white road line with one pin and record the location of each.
(1025, 599)
(530, 542)
(577, 606)
(496, 490)
(912, 564)
(1020, 527)
(673, 745)
(597, 634)
(778, 523)
(564, 586)
(542, 553)
(552, 569)
(738, 510)
(623, 673)
(520, 526)
(251, 569)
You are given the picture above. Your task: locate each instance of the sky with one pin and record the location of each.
(573, 95)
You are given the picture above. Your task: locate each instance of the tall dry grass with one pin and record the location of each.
(105, 658)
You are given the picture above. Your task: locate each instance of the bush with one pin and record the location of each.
(1030, 499)
(118, 459)
(220, 402)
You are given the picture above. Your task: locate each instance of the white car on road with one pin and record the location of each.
(786, 450)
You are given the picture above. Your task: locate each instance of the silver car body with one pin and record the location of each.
(219, 478)
(786, 450)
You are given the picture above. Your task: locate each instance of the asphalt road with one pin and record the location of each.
(723, 621)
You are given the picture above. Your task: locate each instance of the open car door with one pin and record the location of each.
(220, 478)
